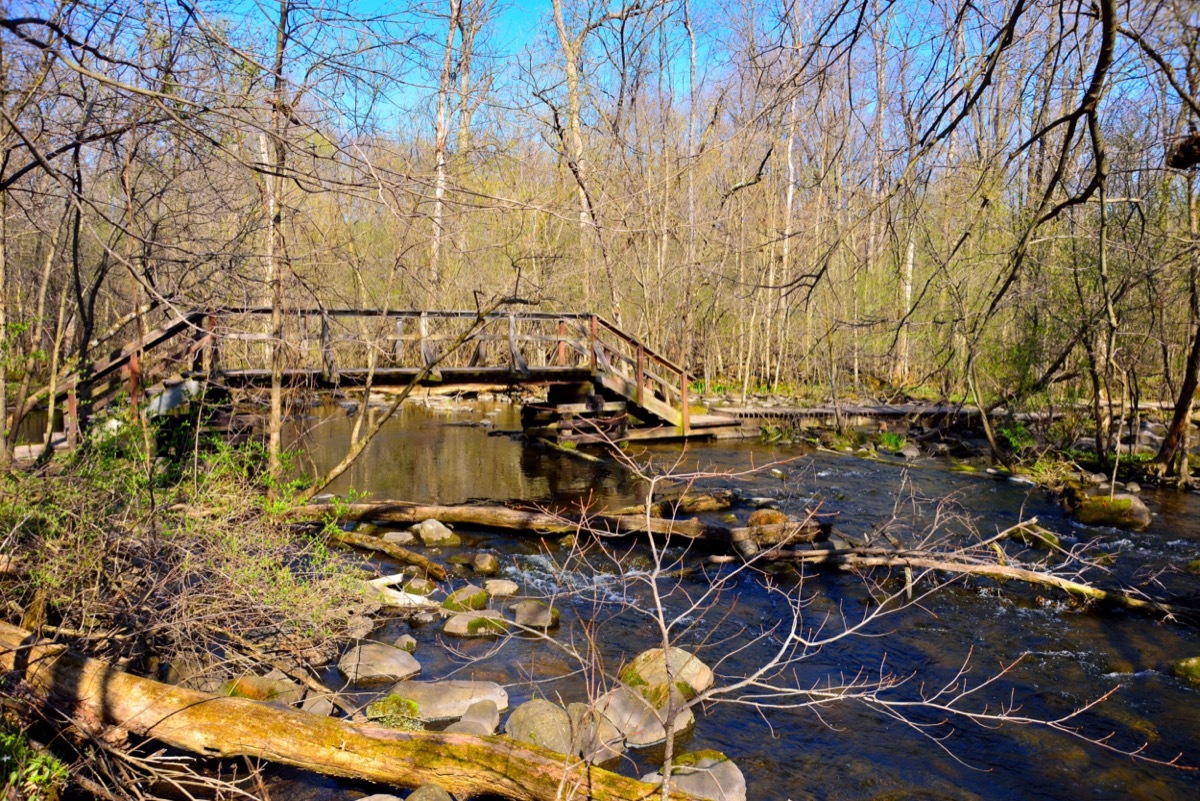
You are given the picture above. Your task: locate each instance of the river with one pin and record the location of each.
(1047, 656)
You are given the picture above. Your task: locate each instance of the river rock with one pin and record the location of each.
(320, 705)
(910, 451)
(705, 774)
(636, 719)
(1193, 567)
(466, 599)
(433, 532)
(766, 517)
(400, 537)
(374, 662)
(485, 564)
(647, 674)
(482, 718)
(541, 723)
(275, 686)
(593, 736)
(387, 797)
(534, 614)
(487, 623)
(406, 642)
(448, 700)
(1188, 669)
(501, 588)
(1121, 511)
(429, 792)
(420, 586)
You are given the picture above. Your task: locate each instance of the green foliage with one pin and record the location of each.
(1017, 437)
(122, 543)
(34, 773)
(892, 440)
(396, 712)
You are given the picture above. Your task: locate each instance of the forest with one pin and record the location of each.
(990, 207)
(945, 200)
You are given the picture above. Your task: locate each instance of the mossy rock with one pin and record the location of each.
(647, 676)
(1188, 669)
(1037, 537)
(963, 467)
(767, 517)
(420, 586)
(1119, 511)
(694, 758)
(466, 599)
(1193, 567)
(396, 712)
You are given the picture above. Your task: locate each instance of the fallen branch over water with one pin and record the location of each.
(539, 522)
(403, 555)
(949, 563)
(96, 697)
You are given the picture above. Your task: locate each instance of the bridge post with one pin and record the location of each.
(595, 329)
(641, 374)
(562, 343)
(683, 400)
(133, 379)
(72, 425)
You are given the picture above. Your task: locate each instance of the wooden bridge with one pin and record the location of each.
(604, 383)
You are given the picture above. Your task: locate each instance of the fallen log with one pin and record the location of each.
(533, 520)
(925, 560)
(432, 569)
(96, 696)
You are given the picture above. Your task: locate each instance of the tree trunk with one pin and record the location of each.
(441, 135)
(98, 697)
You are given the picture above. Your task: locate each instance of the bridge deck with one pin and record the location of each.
(402, 376)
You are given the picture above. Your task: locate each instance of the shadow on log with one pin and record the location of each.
(96, 696)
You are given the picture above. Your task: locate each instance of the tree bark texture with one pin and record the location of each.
(97, 696)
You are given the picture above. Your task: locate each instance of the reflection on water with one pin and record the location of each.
(1064, 656)
(450, 452)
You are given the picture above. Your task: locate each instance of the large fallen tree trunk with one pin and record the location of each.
(540, 522)
(97, 697)
(950, 563)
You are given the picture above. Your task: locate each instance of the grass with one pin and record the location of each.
(33, 773)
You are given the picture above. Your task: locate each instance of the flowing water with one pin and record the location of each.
(1065, 656)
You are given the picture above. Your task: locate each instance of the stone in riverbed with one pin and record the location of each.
(534, 614)
(482, 718)
(1193, 567)
(433, 532)
(1188, 669)
(501, 588)
(420, 586)
(374, 662)
(647, 674)
(766, 517)
(487, 623)
(705, 774)
(593, 736)
(406, 642)
(485, 564)
(275, 686)
(320, 705)
(541, 723)
(466, 598)
(400, 537)
(429, 792)
(448, 700)
(635, 718)
(1120, 511)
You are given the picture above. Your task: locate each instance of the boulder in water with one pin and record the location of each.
(1188, 669)
(467, 598)
(429, 792)
(633, 716)
(593, 736)
(448, 700)
(487, 623)
(482, 718)
(534, 614)
(705, 774)
(374, 662)
(501, 588)
(647, 674)
(766, 517)
(1121, 510)
(541, 723)
(434, 533)
(485, 564)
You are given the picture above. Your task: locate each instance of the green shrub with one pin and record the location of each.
(33, 773)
